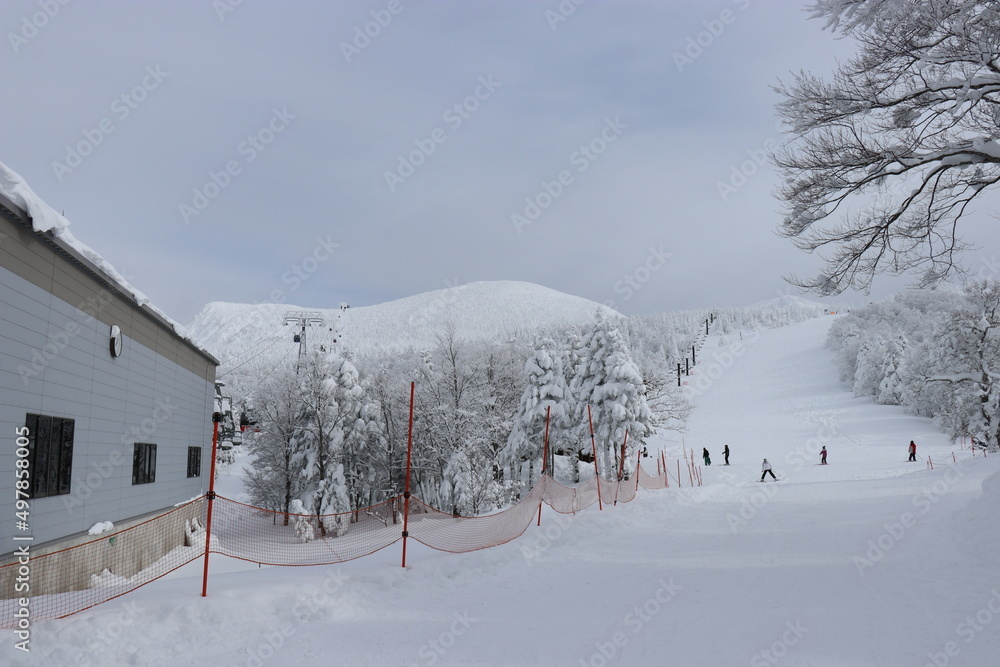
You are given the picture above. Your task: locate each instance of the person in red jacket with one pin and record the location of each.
(822, 456)
(913, 451)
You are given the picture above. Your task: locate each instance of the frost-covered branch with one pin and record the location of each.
(883, 160)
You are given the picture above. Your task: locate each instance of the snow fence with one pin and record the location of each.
(58, 583)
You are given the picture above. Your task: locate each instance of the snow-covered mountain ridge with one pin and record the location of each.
(479, 310)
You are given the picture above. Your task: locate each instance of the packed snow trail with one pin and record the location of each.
(867, 561)
(860, 551)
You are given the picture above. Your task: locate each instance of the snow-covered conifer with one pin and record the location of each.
(610, 382)
(546, 390)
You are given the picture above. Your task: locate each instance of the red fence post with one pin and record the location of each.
(621, 464)
(545, 441)
(593, 449)
(216, 418)
(638, 462)
(406, 491)
(545, 459)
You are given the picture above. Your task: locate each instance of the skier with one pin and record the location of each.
(725, 453)
(822, 455)
(704, 453)
(645, 452)
(913, 451)
(766, 468)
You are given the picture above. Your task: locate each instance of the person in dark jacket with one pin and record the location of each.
(704, 454)
(725, 453)
(822, 455)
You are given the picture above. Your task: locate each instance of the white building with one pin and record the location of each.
(115, 404)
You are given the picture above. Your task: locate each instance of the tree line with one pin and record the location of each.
(934, 352)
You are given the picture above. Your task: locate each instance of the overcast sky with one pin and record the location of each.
(260, 151)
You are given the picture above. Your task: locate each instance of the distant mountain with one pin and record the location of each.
(245, 336)
(796, 302)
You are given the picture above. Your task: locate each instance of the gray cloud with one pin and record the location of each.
(324, 173)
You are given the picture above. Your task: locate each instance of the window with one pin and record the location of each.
(50, 442)
(144, 463)
(194, 461)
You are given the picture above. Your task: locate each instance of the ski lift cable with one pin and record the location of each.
(262, 341)
(283, 360)
(273, 343)
(274, 368)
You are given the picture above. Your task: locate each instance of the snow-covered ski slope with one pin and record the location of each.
(867, 561)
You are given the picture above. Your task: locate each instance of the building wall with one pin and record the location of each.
(55, 320)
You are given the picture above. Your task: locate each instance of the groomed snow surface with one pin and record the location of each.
(870, 560)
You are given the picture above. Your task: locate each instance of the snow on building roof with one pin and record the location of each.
(45, 220)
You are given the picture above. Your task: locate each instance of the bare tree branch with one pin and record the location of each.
(882, 161)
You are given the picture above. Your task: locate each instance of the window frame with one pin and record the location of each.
(194, 462)
(143, 463)
(50, 443)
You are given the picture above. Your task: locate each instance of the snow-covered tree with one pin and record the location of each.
(357, 417)
(273, 477)
(885, 157)
(331, 399)
(870, 365)
(669, 403)
(935, 351)
(303, 527)
(974, 336)
(546, 391)
(890, 388)
(608, 380)
(385, 412)
(465, 407)
(476, 487)
(498, 394)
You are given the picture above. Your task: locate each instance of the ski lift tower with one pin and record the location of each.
(303, 319)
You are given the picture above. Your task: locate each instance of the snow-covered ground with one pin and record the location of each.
(870, 560)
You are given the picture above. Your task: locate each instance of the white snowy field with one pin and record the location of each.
(870, 560)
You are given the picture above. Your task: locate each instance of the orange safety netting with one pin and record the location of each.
(649, 482)
(569, 499)
(262, 536)
(73, 579)
(623, 491)
(458, 534)
(63, 582)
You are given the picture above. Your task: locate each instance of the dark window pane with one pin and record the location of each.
(31, 421)
(137, 459)
(66, 457)
(194, 462)
(55, 452)
(143, 463)
(40, 464)
(50, 443)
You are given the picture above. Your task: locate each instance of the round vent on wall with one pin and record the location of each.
(116, 341)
